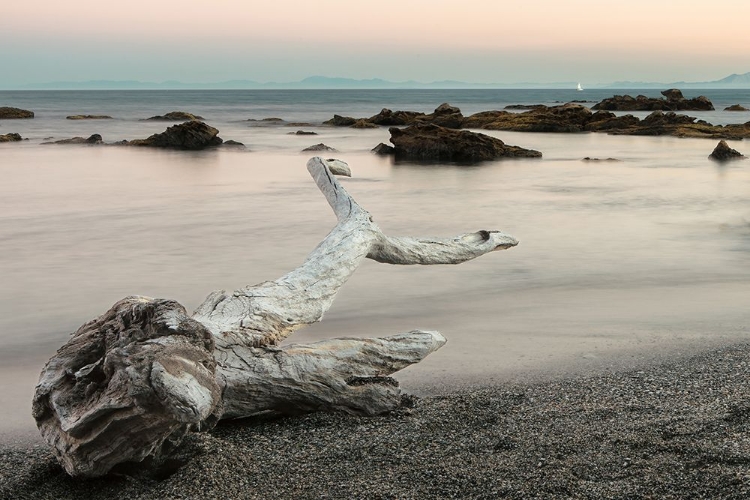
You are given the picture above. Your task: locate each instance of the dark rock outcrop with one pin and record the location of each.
(388, 118)
(92, 139)
(383, 149)
(564, 118)
(175, 116)
(674, 101)
(363, 124)
(444, 115)
(525, 106)
(341, 121)
(722, 152)
(88, 117)
(319, 147)
(422, 142)
(736, 107)
(302, 132)
(11, 137)
(7, 113)
(192, 135)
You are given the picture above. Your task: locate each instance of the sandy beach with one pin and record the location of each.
(676, 429)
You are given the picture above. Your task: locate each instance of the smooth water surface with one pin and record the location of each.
(648, 255)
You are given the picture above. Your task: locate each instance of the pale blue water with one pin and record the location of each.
(618, 261)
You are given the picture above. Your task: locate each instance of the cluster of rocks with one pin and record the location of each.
(93, 139)
(191, 135)
(565, 118)
(673, 101)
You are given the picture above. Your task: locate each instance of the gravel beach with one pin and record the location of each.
(673, 430)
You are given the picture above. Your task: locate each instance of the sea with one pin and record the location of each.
(620, 262)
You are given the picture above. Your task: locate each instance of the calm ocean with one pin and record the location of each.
(618, 262)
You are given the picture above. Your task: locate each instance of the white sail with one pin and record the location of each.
(579, 87)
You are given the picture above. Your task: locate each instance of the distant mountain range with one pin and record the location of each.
(324, 82)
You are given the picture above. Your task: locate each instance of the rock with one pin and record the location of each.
(299, 124)
(11, 137)
(233, 144)
(7, 113)
(672, 94)
(736, 107)
(88, 117)
(588, 158)
(444, 115)
(302, 132)
(526, 106)
(674, 102)
(92, 139)
(341, 121)
(423, 142)
(192, 135)
(383, 149)
(564, 118)
(603, 121)
(722, 152)
(387, 117)
(363, 124)
(338, 167)
(319, 147)
(175, 116)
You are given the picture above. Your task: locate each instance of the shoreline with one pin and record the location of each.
(675, 429)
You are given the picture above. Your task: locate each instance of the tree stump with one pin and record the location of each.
(130, 384)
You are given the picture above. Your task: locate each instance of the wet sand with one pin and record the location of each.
(675, 429)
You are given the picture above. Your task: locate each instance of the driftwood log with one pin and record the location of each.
(130, 384)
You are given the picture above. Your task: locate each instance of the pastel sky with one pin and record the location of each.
(504, 41)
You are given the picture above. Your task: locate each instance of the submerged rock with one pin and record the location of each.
(302, 132)
(423, 142)
(92, 139)
(232, 144)
(192, 135)
(383, 149)
(588, 158)
(736, 107)
(722, 152)
(319, 147)
(11, 137)
(175, 116)
(88, 117)
(7, 113)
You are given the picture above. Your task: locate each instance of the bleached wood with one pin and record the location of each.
(130, 384)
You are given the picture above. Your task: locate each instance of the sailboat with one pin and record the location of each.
(579, 89)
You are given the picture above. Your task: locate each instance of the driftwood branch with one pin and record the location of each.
(130, 384)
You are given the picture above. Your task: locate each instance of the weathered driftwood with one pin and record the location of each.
(130, 384)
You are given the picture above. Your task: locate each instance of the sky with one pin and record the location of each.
(482, 41)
